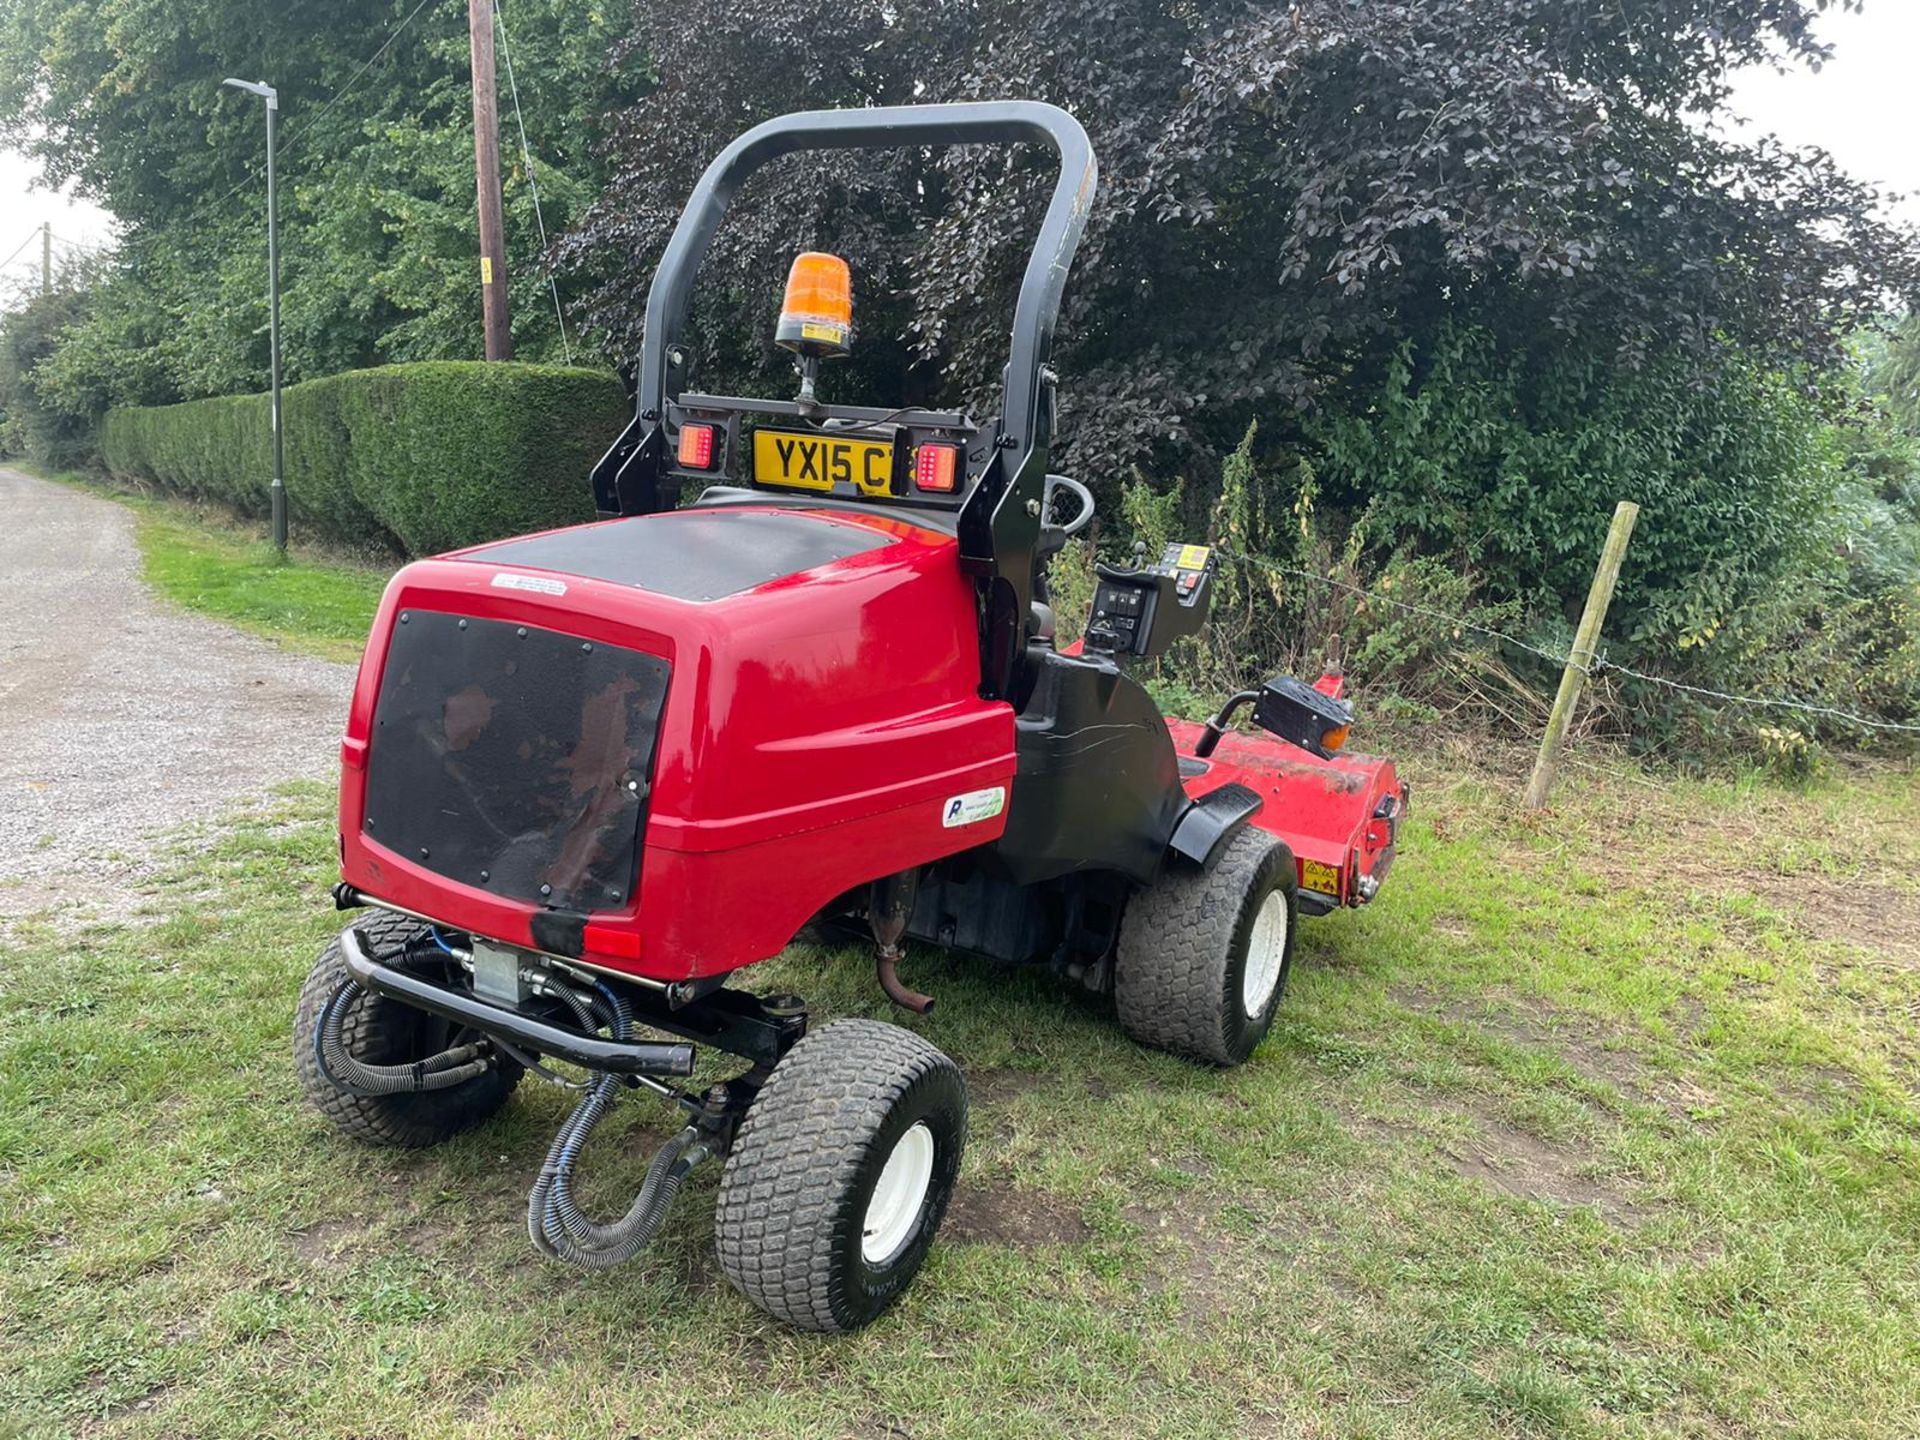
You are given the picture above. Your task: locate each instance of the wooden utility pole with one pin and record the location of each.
(46, 257)
(486, 167)
(1586, 644)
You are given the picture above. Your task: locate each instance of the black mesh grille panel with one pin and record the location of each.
(514, 758)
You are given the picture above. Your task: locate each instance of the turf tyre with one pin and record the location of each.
(798, 1192)
(1181, 969)
(380, 1031)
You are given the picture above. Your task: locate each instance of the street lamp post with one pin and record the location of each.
(279, 491)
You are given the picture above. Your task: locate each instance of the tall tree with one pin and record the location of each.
(1289, 191)
(122, 97)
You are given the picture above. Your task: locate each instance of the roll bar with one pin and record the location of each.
(1000, 521)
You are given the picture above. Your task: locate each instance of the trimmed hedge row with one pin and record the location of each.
(424, 457)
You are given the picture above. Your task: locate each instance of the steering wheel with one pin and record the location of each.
(1057, 483)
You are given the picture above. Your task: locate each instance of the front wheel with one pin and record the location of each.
(1203, 956)
(841, 1174)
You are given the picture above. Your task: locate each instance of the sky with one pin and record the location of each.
(23, 209)
(1859, 108)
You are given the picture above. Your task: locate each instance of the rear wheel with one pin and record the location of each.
(1203, 957)
(841, 1174)
(379, 1031)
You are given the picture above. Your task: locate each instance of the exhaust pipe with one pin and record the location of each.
(889, 909)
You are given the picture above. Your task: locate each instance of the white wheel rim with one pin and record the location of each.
(894, 1207)
(1266, 949)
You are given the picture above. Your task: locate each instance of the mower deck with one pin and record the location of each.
(1340, 816)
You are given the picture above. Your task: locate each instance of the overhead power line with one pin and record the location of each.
(533, 184)
(32, 235)
(354, 79)
(79, 245)
(255, 174)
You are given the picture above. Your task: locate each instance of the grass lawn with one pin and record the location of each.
(203, 560)
(1602, 1124)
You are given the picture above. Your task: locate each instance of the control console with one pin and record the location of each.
(1138, 613)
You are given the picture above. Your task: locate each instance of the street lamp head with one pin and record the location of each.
(255, 87)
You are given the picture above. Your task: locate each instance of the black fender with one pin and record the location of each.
(1209, 822)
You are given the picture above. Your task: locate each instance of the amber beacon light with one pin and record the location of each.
(816, 318)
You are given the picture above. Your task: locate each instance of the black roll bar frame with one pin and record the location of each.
(1000, 519)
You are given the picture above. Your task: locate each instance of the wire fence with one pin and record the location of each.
(1598, 666)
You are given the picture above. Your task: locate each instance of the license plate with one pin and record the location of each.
(822, 462)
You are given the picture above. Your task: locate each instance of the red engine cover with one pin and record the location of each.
(817, 727)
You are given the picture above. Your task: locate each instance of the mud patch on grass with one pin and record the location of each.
(434, 1237)
(330, 1244)
(996, 1213)
(993, 1087)
(698, 1270)
(992, 1093)
(1794, 857)
(1876, 918)
(1593, 1050)
(103, 1423)
(1201, 1278)
(1497, 1153)
(1510, 1159)
(1206, 1263)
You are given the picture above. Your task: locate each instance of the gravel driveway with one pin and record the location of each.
(121, 718)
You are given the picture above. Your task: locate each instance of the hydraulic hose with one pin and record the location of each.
(1217, 726)
(558, 1226)
(436, 1072)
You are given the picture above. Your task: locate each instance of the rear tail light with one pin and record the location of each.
(936, 468)
(607, 940)
(696, 447)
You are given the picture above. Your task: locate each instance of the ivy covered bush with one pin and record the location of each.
(422, 457)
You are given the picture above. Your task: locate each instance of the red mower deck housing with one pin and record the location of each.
(1340, 816)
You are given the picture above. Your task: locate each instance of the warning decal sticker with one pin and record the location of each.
(1323, 879)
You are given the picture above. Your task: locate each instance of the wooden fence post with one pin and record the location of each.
(1586, 642)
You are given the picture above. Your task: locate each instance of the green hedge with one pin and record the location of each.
(424, 457)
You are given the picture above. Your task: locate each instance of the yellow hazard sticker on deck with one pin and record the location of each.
(1194, 557)
(1323, 879)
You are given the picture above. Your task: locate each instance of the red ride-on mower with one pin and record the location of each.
(592, 773)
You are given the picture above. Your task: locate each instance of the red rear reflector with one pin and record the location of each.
(936, 467)
(605, 940)
(696, 447)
